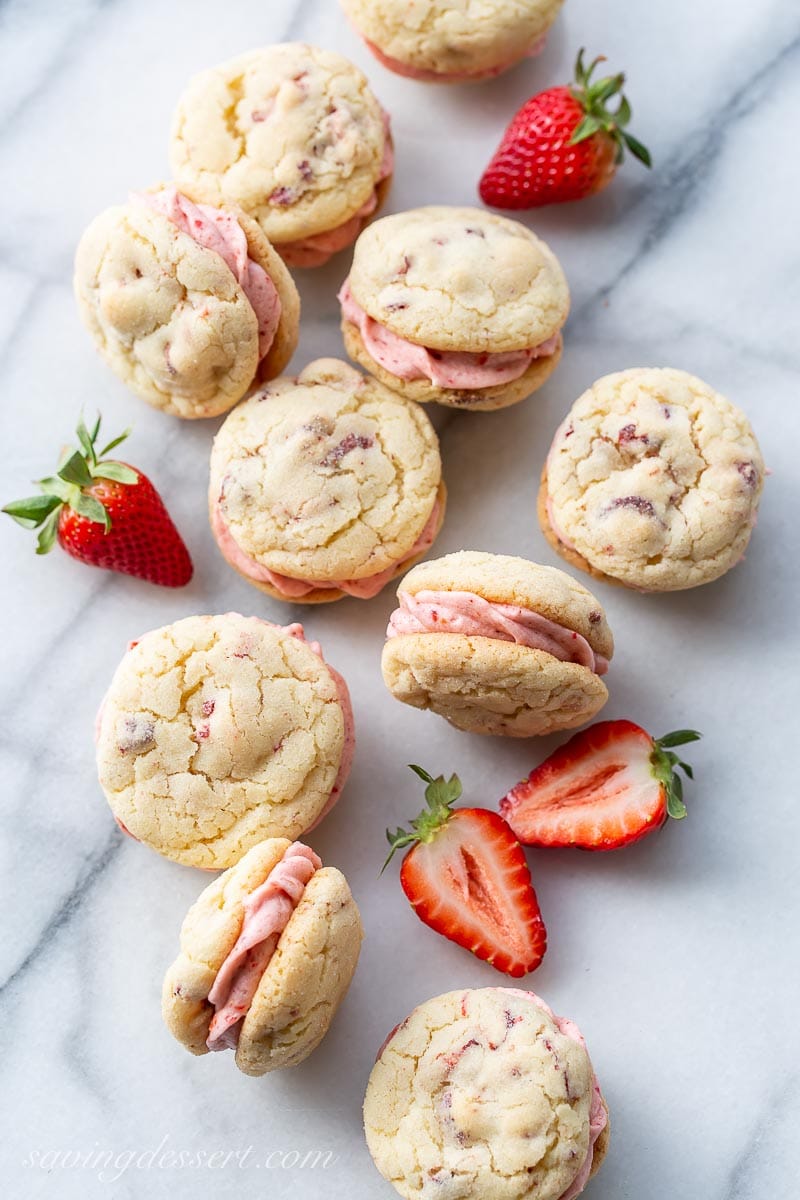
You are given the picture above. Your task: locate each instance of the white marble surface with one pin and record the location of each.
(679, 956)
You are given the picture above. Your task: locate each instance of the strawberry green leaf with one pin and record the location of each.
(119, 472)
(117, 441)
(91, 509)
(47, 534)
(606, 88)
(95, 430)
(585, 128)
(678, 737)
(31, 512)
(86, 441)
(55, 486)
(76, 471)
(623, 113)
(637, 149)
(675, 806)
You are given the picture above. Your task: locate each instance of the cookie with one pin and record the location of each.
(267, 954)
(186, 303)
(486, 1093)
(325, 485)
(218, 732)
(445, 42)
(294, 135)
(498, 645)
(455, 305)
(652, 481)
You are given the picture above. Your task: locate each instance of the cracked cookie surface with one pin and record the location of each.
(217, 732)
(329, 476)
(169, 316)
(481, 1093)
(290, 132)
(459, 279)
(653, 481)
(304, 981)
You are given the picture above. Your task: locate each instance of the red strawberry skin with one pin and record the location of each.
(142, 540)
(472, 884)
(536, 165)
(598, 791)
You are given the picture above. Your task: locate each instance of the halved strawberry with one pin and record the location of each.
(466, 876)
(606, 787)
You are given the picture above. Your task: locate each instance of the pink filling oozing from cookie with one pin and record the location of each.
(295, 589)
(315, 251)
(267, 912)
(444, 368)
(420, 73)
(598, 1117)
(471, 615)
(218, 230)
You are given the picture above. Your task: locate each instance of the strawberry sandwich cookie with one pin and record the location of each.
(455, 305)
(486, 1093)
(498, 645)
(324, 486)
(186, 301)
(442, 41)
(267, 954)
(292, 134)
(218, 732)
(652, 481)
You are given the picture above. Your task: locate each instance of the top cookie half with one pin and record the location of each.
(290, 132)
(653, 479)
(459, 279)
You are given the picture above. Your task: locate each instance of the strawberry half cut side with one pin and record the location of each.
(466, 876)
(606, 787)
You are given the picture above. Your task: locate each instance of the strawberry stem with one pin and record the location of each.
(599, 118)
(665, 762)
(77, 471)
(440, 795)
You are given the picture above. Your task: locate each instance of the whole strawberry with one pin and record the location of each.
(466, 877)
(563, 144)
(105, 513)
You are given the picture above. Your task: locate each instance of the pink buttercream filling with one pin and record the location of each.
(444, 368)
(267, 911)
(296, 589)
(428, 76)
(472, 616)
(314, 251)
(598, 1117)
(218, 230)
